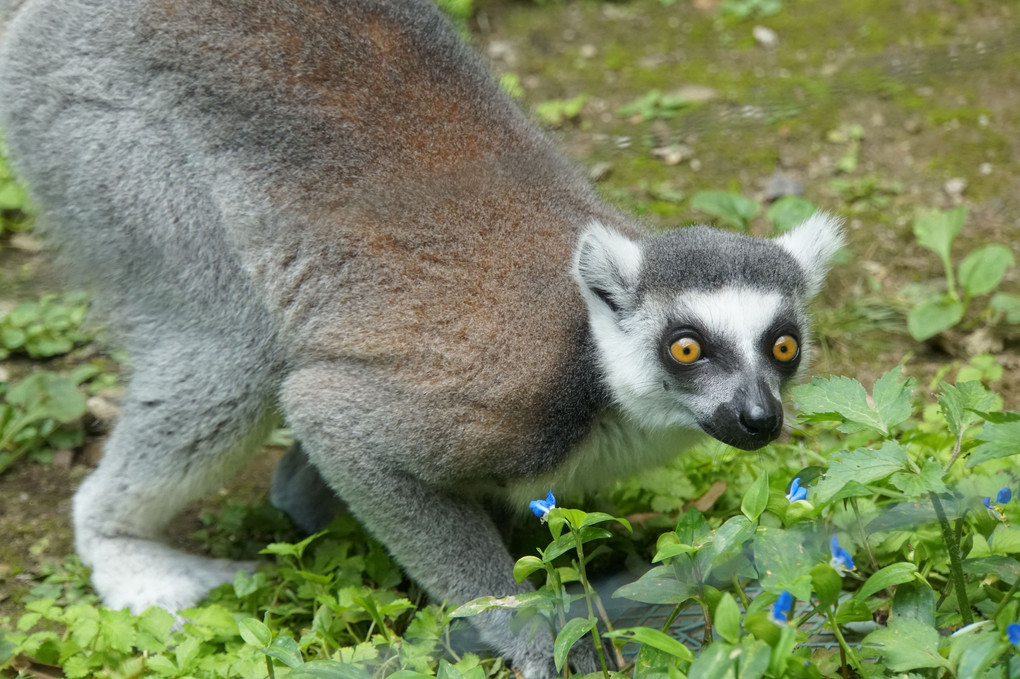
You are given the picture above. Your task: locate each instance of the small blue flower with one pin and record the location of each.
(541, 508)
(782, 608)
(1013, 633)
(796, 491)
(994, 510)
(841, 559)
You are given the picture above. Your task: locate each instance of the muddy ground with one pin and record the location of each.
(873, 109)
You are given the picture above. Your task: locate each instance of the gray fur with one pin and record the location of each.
(328, 209)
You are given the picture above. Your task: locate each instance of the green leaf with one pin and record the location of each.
(860, 466)
(959, 403)
(916, 485)
(982, 269)
(783, 561)
(936, 230)
(998, 440)
(756, 498)
(659, 585)
(714, 662)
(893, 574)
(853, 610)
(907, 644)
(788, 212)
(727, 618)
(731, 208)
(1005, 568)
(827, 584)
(285, 650)
(1006, 304)
(594, 518)
(840, 399)
(525, 566)
(655, 639)
(915, 599)
(255, 632)
(892, 397)
(932, 316)
(567, 637)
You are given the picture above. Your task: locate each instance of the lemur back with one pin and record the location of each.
(328, 209)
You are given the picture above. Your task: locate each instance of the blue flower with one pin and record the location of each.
(782, 608)
(796, 491)
(541, 508)
(1013, 633)
(994, 510)
(841, 559)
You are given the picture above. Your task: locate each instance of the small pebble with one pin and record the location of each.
(985, 169)
(765, 37)
(955, 187)
(600, 171)
(674, 154)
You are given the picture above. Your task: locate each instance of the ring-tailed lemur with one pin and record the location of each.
(327, 208)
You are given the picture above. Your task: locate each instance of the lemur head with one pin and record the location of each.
(703, 328)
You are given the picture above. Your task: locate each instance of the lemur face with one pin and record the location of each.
(702, 328)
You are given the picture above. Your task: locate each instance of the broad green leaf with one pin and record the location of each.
(892, 397)
(916, 485)
(936, 230)
(1006, 304)
(525, 566)
(654, 638)
(860, 466)
(979, 654)
(753, 659)
(1005, 568)
(915, 599)
(731, 208)
(668, 551)
(958, 403)
(782, 650)
(1005, 540)
(255, 632)
(660, 585)
(601, 517)
(756, 498)
(285, 650)
(783, 562)
(853, 610)
(727, 618)
(476, 606)
(893, 574)
(286, 549)
(982, 269)
(998, 440)
(714, 662)
(839, 399)
(907, 644)
(788, 212)
(827, 584)
(693, 529)
(932, 316)
(568, 636)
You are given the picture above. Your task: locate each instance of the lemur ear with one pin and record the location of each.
(606, 267)
(812, 244)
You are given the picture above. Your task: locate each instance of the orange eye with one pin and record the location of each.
(785, 349)
(685, 350)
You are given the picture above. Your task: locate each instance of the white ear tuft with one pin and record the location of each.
(606, 267)
(812, 244)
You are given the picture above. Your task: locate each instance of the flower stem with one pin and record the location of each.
(588, 592)
(955, 566)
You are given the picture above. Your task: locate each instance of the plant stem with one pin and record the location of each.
(1005, 600)
(957, 449)
(864, 536)
(269, 667)
(955, 567)
(845, 652)
(588, 600)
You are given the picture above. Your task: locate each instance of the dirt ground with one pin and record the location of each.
(922, 95)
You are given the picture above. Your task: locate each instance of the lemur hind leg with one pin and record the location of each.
(195, 408)
(299, 491)
(347, 419)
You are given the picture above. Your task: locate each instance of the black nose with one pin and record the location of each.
(761, 422)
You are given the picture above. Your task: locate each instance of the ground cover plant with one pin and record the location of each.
(886, 524)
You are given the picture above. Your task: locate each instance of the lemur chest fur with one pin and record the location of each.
(614, 448)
